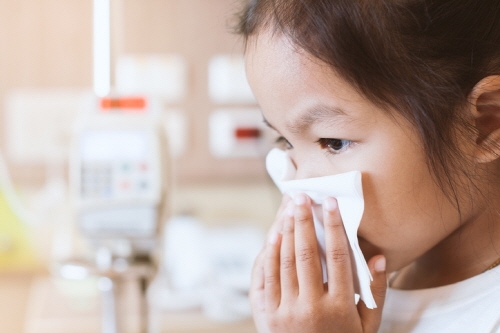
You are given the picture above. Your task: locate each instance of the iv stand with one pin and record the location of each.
(112, 271)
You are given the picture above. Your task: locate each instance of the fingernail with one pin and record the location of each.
(330, 204)
(300, 199)
(273, 238)
(380, 265)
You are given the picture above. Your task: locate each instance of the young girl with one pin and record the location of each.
(407, 92)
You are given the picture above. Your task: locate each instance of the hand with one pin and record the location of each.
(294, 298)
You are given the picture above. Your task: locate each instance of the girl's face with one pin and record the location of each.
(329, 128)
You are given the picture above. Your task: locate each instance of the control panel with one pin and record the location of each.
(118, 169)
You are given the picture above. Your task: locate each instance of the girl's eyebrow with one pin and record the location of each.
(332, 116)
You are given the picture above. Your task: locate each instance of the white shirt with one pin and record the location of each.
(472, 305)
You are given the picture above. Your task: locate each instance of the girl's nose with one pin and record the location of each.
(305, 168)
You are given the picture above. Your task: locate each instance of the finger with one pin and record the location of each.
(257, 284)
(271, 257)
(337, 251)
(284, 204)
(272, 288)
(277, 226)
(371, 317)
(258, 270)
(288, 271)
(306, 248)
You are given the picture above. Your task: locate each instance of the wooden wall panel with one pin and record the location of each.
(47, 43)
(197, 29)
(43, 43)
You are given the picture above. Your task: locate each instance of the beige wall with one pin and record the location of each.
(47, 43)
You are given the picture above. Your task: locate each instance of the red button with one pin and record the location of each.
(127, 104)
(247, 133)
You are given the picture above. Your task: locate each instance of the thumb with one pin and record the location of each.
(371, 318)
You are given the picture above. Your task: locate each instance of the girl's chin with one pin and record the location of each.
(369, 250)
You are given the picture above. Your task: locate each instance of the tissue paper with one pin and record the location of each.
(348, 191)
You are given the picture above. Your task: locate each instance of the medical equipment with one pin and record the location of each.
(118, 169)
(207, 268)
(118, 181)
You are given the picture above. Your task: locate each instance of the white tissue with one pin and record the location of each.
(348, 191)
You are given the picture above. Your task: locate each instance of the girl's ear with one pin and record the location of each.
(485, 99)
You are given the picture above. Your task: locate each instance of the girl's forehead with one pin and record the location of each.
(272, 56)
(287, 79)
(272, 60)
(295, 90)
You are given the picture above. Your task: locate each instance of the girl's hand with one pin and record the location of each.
(288, 277)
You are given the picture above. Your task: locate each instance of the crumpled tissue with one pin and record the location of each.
(348, 191)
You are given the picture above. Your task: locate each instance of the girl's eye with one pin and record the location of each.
(334, 145)
(283, 143)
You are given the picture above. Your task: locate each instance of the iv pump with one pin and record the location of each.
(118, 167)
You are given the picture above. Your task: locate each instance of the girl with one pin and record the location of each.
(407, 92)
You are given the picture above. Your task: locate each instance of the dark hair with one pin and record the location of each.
(422, 58)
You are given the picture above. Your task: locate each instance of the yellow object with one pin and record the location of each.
(16, 252)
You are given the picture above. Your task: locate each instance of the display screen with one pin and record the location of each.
(100, 145)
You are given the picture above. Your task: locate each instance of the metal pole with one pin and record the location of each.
(109, 307)
(102, 47)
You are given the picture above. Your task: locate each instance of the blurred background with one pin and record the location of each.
(87, 85)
